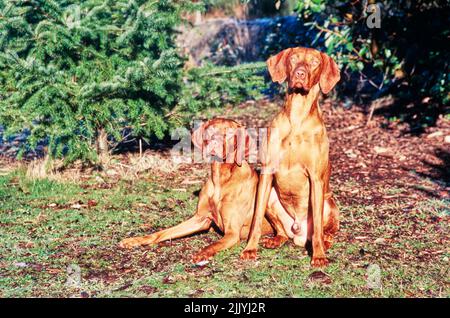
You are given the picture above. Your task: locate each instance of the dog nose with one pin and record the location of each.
(300, 73)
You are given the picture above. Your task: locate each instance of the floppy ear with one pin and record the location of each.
(277, 66)
(330, 74)
(197, 136)
(241, 145)
(229, 145)
(235, 145)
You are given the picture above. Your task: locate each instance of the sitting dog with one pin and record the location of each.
(297, 162)
(227, 199)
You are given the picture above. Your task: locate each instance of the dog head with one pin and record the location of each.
(303, 68)
(224, 139)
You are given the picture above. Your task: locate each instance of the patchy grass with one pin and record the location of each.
(48, 226)
(394, 216)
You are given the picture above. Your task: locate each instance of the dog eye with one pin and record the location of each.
(293, 59)
(314, 63)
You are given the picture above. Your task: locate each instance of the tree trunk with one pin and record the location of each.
(102, 147)
(198, 17)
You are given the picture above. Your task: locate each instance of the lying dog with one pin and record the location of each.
(227, 199)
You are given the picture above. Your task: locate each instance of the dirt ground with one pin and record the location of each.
(392, 188)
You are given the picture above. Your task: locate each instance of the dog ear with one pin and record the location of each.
(330, 74)
(197, 137)
(241, 145)
(277, 66)
(236, 145)
(229, 145)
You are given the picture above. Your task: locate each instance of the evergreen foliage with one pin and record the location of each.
(76, 72)
(70, 69)
(215, 86)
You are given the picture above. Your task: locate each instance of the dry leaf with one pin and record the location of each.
(319, 277)
(435, 134)
(380, 149)
(380, 240)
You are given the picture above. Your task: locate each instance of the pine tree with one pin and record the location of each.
(75, 72)
(82, 74)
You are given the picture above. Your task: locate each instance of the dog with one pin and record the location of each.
(296, 168)
(227, 199)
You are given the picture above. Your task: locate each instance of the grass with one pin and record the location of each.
(47, 226)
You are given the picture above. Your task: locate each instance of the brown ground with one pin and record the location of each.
(392, 189)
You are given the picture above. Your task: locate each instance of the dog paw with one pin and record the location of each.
(130, 242)
(327, 241)
(319, 262)
(249, 254)
(274, 242)
(200, 258)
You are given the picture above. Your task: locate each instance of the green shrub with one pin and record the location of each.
(76, 72)
(83, 75)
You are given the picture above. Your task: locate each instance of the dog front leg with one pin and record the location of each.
(229, 240)
(317, 200)
(264, 187)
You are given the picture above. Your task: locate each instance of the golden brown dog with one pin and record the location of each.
(227, 199)
(296, 160)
